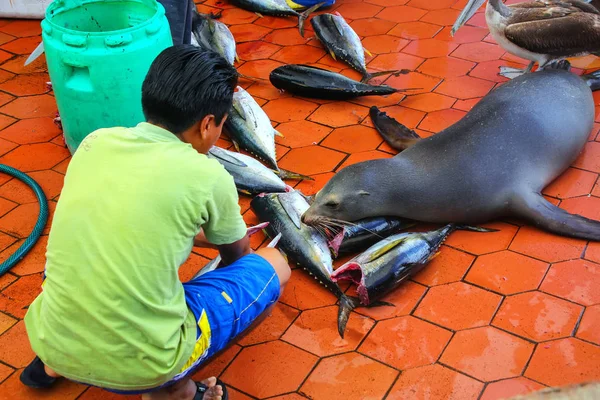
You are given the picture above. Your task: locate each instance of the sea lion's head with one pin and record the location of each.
(347, 197)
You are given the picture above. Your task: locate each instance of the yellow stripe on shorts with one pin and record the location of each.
(202, 344)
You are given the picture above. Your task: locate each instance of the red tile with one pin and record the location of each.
(303, 292)
(434, 382)
(316, 331)
(437, 121)
(458, 306)
(465, 87)
(538, 316)
(273, 326)
(16, 191)
(339, 114)
(94, 393)
(478, 52)
(260, 381)
(34, 130)
(388, 3)
(311, 160)
(31, 107)
(237, 16)
(4, 55)
(5, 372)
(589, 327)
(395, 61)
(14, 347)
(216, 365)
(428, 102)
(5, 75)
(401, 14)
(6, 322)
(371, 26)
(404, 299)
(23, 45)
(405, 342)
(507, 272)
(4, 38)
(421, 83)
(575, 280)
(466, 105)
(446, 67)
(256, 50)
(258, 68)
(287, 37)
(299, 54)
(6, 280)
(35, 157)
(572, 183)
(5, 98)
(585, 206)
(546, 246)
(15, 299)
(508, 388)
(249, 32)
(276, 22)
(4, 122)
(301, 133)
(289, 109)
(22, 28)
(441, 17)
(384, 44)
(5, 242)
(358, 10)
(364, 156)
(16, 64)
(429, 48)
(487, 354)
(466, 34)
(450, 266)
(564, 362)
(415, 30)
(489, 70)
(428, 5)
(13, 389)
(353, 139)
(349, 376)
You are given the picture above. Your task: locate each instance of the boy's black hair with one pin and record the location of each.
(186, 83)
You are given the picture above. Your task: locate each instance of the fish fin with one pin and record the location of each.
(303, 16)
(368, 76)
(237, 59)
(380, 303)
(236, 145)
(227, 158)
(240, 110)
(384, 249)
(243, 191)
(332, 55)
(284, 174)
(276, 132)
(259, 14)
(347, 304)
(212, 26)
(368, 52)
(338, 26)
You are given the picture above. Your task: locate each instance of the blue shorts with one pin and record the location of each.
(225, 302)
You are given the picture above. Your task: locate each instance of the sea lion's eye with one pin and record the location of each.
(332, 204)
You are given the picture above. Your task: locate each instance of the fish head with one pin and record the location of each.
(352, 271)
(345, 198)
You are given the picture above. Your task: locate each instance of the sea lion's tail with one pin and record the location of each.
(545, 215)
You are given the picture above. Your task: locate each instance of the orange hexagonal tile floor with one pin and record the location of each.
(493, 316)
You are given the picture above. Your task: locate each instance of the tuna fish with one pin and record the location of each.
(387, 264)
(249, 127)
(277, 8)
(250, 176)
(302, 244)
(364, 233)
(211, 34)
(318, 83)
(341, 41)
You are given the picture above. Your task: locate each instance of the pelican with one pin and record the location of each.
(541, 31)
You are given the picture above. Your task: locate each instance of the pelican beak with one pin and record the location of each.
(466, 14)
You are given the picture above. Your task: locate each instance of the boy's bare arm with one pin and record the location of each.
(234, 251)
(201, 241)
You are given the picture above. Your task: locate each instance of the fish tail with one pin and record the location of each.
(347, 304)
(368, 76)
(303, 16)
(283, 174)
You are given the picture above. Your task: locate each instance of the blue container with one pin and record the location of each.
(98, 53)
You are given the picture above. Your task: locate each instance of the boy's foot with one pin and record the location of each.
(211, 389)
(35, 376)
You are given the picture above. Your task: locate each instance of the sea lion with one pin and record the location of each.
(492, 163)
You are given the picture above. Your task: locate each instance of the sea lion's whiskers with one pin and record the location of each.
(348, 223)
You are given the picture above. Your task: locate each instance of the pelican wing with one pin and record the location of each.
(566, 34)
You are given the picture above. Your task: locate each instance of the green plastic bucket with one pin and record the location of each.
(98, 53)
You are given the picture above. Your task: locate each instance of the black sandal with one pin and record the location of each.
(202, 388)
(35, 376)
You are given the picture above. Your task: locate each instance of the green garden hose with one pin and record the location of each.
(39, 225)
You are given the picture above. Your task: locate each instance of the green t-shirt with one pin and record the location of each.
(112, 312)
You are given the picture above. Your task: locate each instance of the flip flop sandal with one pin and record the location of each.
(35, 376)
(202, 388)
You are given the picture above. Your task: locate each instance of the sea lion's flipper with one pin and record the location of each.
(395, 134)
(545, 215)
(593, 80)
